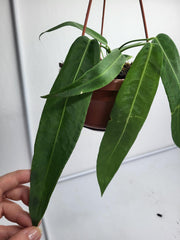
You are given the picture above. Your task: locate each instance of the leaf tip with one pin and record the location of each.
(102, 186)
(102, 192)
(40, 35)
(45, 96)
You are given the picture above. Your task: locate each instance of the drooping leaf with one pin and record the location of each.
(129, 112)
(170, 75)
(97, 77)
(60, 126)
(89, 31)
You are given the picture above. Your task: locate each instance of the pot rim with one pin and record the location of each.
(113, 86)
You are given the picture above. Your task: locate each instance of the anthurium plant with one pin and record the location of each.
(66, 106)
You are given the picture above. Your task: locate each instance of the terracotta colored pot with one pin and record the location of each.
(101, 105)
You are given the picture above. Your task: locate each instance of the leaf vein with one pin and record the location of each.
(63, 113)
(174, 73)
(133, 103)
(176, 108)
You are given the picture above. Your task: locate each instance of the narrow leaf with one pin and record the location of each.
(89, 31)
(60, 126)
(129, 112)
(97, 77)
(170, 75)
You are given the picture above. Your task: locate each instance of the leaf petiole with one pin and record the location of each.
(136, 40)
(132, 46)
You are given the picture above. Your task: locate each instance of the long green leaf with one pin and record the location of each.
(97, 77)
(129, 112)
(89, 31)
(170, 75)
(60, 126)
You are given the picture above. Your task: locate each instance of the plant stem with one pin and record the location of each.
(87, 16)
(144, 19)
(103, 16)
(132, 46)
(136, 40)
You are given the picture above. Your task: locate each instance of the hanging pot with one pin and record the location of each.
(101, 105)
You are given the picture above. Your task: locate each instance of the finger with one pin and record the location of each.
(15, 213)
(8, 231)
(19, 193)
(31, 233)
(12, 180)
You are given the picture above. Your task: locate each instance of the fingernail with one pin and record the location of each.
(34, 234)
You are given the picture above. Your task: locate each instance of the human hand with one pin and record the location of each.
(11, 188)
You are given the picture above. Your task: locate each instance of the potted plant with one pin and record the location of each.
(65, 110)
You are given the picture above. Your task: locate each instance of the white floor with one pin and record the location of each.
(143, 204)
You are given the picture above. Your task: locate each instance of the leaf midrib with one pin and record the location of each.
(92, 79)
(63, 113)
(131, 109)
(107, 69)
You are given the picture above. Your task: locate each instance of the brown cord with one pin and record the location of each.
(144, 19)
(87, 16)
(103, 16)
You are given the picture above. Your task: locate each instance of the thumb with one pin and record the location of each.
(30, 233)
